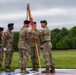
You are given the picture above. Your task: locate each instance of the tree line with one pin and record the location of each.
(62, 39)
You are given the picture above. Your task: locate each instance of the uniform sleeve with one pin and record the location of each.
(45, 31)
(5, 35)
(33, 32)
(5, 38)
(2, 42)
(40, 36)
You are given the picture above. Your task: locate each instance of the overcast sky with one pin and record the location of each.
(58, 13)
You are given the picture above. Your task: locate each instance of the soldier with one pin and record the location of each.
(33, 52)
(9, 42)
(1, 46)
(46, 48)
(24, 46)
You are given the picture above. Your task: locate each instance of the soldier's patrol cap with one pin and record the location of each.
(10, 24)
(26, 22)
(35, 22)
(1, 28)
(43, 21)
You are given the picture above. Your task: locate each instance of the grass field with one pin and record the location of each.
(63, 59)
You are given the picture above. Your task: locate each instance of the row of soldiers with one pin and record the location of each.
(26, 46)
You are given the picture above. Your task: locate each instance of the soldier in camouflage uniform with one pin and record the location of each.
(9, 42)
(46, 48)
(33, 52)
(24, 46)
(1, 46)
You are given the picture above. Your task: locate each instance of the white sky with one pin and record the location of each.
(58, 13)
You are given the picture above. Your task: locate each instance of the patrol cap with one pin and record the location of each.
(26, 22)
(1, 28)
(35, 22)
(10, 24)
(43, 21)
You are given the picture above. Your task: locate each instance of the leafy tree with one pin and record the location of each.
(65, 43)
(72, 32)
(54, 32)
(74, 43)
(54, 36)
(63, 33)
(16, 38)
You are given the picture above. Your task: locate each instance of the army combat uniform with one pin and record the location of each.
(33, 51)
(9, 42)
(1, 48)
(24, 46)
(46, 48)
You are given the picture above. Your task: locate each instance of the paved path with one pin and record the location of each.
(58, 72)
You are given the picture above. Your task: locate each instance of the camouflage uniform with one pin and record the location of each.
(33, 52)
(24, 46)
(46, 48)
(9, 42)
(1, 50)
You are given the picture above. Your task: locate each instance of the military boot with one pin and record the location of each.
(33, 69)
(25, 71)
(7, 69)
(0, 66)
(46, 70)
(36, 68)
(21, 70)
(52, 70)
(11, 69)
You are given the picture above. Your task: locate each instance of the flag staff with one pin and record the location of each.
(27, 11)
(35, 41)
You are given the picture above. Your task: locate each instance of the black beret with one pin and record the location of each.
(43, 21)
(26, 22)
(10, 24)
(1, 28)
(34, 22)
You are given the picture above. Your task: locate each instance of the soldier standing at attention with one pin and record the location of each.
(9, 42)
(46, 48)
(1, 46)
(24, 46)
(33, 52)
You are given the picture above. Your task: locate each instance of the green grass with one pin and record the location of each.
(63, 59)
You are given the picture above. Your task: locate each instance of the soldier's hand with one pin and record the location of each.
(34, 37)
(40, 46)
(4, 49)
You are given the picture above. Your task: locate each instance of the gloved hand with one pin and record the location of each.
(4, 49)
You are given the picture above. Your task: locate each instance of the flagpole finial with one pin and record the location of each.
(27, 1)
(28, 4)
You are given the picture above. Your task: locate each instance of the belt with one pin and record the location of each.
(45, 41)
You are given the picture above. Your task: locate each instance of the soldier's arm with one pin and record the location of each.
(1, 44)
(5, 35)
(33, 32)
(5, 38)
(45, 31)
(40, 37)
(27, 31)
